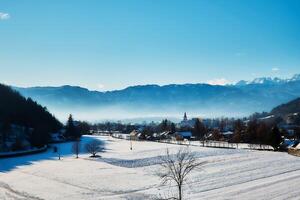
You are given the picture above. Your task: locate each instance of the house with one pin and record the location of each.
(166, 135)
(184, 134)
(227, 134)
(160, 136)
(292, 118)
(288, 144)
(289, 128)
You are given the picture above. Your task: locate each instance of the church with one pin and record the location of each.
(187, 122)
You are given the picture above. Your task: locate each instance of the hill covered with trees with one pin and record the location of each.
(22, 119)
(288, 108)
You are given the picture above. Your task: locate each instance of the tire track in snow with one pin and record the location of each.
(66, 183)
(18, 193)
(243, 182)
(263, 183)
(245, 171)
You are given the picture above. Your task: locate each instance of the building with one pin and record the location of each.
(187, 123)
(183, 134)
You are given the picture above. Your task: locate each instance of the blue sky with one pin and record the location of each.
(111, 44)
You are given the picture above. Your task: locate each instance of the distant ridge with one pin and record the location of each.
(200, 99)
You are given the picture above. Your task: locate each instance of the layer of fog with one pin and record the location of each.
(125, 115)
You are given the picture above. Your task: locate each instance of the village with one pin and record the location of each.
(221, 133)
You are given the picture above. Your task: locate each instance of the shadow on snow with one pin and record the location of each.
(65, 149)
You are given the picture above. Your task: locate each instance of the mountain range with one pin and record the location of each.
(240, 99)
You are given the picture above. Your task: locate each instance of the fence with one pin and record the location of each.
(220, 144)
(205, 143)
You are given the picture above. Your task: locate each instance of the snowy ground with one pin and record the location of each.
(125, 174)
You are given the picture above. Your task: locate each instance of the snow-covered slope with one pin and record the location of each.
(125, 174)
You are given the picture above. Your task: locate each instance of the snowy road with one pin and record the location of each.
(125, 174)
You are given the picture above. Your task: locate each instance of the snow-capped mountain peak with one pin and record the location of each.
(269, 80)
(296, 77)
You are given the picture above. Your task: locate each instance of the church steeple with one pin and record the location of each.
(184, 117)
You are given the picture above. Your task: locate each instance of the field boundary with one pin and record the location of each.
(23, 153)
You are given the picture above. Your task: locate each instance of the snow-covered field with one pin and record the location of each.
(125, 174)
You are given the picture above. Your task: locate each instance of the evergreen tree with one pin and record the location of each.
(84, 128)
(164, 125)
(275, 138)
(71, 130)
(173, 128)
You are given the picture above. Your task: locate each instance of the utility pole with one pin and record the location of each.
(56, 150)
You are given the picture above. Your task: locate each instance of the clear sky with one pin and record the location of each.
(111, 44)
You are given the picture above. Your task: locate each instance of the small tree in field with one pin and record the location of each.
(93, 147)
(176, 168)
(76, 147)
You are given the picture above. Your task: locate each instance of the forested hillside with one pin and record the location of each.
(17, 111)
(288, 108)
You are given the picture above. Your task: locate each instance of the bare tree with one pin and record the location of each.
(76, 147)
(93, 147)
(176, 168)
